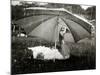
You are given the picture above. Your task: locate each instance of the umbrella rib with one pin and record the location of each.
(51, 23)
(40, 23)
(75, 39)
(87, 27)
(55, 28)
(78, 20)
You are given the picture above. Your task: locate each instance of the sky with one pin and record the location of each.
(85, 6)
(17, 2)
(13, 2)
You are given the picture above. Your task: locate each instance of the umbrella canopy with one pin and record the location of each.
(46, 24)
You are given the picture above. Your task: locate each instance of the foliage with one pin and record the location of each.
(91, 11)
(17, 12)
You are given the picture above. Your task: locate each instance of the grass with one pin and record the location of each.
(82, 57)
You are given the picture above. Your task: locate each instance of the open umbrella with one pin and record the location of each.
(46, 23)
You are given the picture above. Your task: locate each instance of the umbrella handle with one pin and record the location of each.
(55, 44)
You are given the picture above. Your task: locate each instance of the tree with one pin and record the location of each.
(17, 12)
(91, 12)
